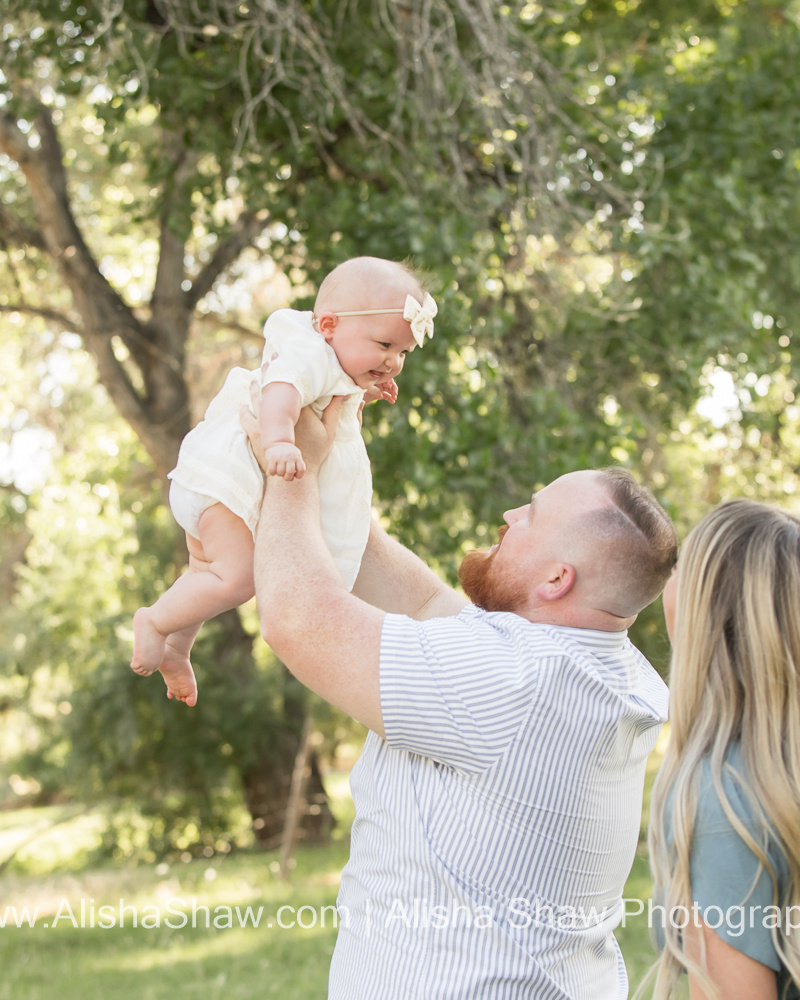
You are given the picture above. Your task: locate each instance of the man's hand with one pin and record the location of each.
(284, 459)
(314, 436)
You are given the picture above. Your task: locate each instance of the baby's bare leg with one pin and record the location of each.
(220, 577)
(176, 668)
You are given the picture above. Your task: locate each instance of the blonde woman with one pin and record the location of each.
(725, 818)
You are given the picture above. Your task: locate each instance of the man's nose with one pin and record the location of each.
(512, 516)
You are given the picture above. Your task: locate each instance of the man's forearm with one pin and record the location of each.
(292, 562)
(395, 580)
(327, 638)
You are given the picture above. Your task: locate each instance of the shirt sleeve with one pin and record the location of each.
(452, 689)
(304, 359)
(734, 897)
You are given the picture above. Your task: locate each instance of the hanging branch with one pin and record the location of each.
(472, 91)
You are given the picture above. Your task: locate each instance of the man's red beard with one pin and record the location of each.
(473, 574)
(476, 578)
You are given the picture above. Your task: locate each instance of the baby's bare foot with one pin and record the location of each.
(148, 644)
(178, 675)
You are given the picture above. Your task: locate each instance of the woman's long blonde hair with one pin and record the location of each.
(734, 678)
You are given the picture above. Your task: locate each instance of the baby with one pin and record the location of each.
(368, 315)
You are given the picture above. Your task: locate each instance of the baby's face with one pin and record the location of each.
(371, 349)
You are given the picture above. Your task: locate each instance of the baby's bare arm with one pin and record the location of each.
(279, 411)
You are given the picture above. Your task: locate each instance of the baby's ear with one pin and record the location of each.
(326, 324)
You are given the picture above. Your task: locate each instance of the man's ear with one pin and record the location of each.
(326, 324)
(558, 584)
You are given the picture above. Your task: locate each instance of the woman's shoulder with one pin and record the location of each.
(739, 796)
(732, 835)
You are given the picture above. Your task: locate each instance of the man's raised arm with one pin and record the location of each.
(393, 579)
(329, 639)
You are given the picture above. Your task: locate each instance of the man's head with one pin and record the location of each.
(590, 550)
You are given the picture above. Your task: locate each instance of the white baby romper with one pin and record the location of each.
(215, 459)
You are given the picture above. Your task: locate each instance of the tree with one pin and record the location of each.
(140, 360)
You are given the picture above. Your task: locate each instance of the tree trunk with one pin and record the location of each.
(266, 788)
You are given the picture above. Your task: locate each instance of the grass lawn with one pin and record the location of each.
(188, 941)
(225, 928)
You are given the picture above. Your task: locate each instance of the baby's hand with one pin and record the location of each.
(284, 460)
(382, 390)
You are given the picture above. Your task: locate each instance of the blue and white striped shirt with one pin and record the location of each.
(497, 822)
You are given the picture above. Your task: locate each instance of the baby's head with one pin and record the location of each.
(373, 312)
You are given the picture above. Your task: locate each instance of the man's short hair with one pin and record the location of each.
(642, 539)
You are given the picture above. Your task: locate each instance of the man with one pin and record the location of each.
(498, 796)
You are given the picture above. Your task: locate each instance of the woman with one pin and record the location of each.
(725, 815)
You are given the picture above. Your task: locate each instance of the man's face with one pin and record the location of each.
(493, 579)
(532, 545)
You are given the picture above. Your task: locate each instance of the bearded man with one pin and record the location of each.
(498, 796)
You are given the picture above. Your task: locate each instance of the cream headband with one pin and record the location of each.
(419, 316)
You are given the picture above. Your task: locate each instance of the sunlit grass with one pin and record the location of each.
(51, 838)
(167, 931)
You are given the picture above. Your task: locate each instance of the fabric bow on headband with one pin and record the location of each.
(419, 316)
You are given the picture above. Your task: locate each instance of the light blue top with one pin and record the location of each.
(497, 822)
(733, 892)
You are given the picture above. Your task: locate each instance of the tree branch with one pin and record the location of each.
(50, 314)
(159, 414)
(102, 309)
(170, 309)
(245, 230)
(59, 234)
(217, 322)
(467, 78)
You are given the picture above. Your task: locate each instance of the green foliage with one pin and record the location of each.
(712, 272)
